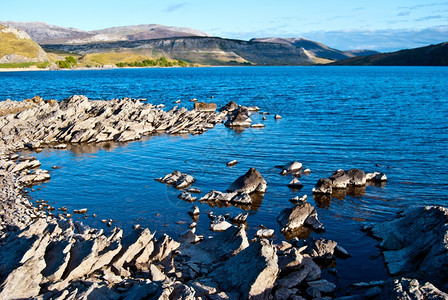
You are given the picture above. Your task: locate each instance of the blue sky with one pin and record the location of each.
(383, 25)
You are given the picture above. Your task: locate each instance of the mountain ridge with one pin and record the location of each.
(432, 55)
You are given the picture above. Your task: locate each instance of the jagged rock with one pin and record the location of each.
(251, 273)
(177, 179)
(240, 218)
(323, 186)
(415, 243)
(248, 183)
(306, 270)
(187, 197)
(204, 287)
(405, 288)
(217, 196)
(203, 106)
(240, 117)
(291, 219)
(376, 177)
(223, 245)
(277, 117)
(241, 199)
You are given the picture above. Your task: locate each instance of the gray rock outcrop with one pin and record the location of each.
(415, 244)
(292, 219)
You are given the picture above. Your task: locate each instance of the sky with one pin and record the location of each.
(382, 25)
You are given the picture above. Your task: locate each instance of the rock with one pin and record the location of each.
(376, 177)
(405, 288)
(295, 184)
(305, 270)
(239, 118)
(232, 163)
(357, 177)
(194, 191)
(264, 233)
(222, 246)
(240, 218)
(257, 125)
(320, 286)
(194, 211)
(177, 179)
(252, 272)
(189, 237)
(248, 183)
(277, 117)
(284, 293)
(204, 287)
(220, 224)
(323, 186)
(229, 107)
(203, 106)
(340, 252)
(80, 211)
(306, 171)
(291, 219)
(187, 197)
(339, 179)
(419, 247)
(60, 146)
(241, 199)
(214, 196)
(292, 167)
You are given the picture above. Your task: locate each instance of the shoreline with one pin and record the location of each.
(63, 259)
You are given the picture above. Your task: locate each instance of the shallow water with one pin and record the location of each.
(388, 119)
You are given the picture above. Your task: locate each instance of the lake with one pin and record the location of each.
(387, 119)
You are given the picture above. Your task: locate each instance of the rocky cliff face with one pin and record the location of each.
(17, 47)
(205, 50)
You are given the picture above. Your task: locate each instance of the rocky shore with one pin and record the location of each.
(46, 255)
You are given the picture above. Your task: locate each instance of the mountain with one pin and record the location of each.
(317, 49)
(16, 46)
(45, 34)
(203, 50)
(433, 55)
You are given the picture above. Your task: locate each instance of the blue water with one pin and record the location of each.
(387, 119)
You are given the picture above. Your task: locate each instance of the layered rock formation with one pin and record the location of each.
(18, 47)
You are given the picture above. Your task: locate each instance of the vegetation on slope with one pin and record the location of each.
(12, 44)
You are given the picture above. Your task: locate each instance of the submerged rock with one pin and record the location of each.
(177, 179)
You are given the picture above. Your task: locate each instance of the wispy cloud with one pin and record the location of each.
(424, 5)
(404, 13)
(175, 7)
(427, 18)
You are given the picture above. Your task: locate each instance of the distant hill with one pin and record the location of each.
(16, 46)
(315, 48)
(433, 55)
(45, 34)
(203, 50)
